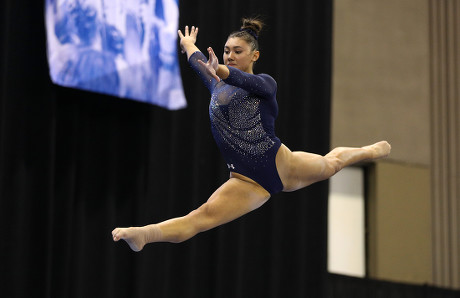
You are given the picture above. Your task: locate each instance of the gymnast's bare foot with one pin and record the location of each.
(379, 150)
(135, 237)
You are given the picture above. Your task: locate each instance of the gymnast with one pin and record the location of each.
(242, 111)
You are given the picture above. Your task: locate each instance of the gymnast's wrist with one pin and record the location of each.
(222, 71)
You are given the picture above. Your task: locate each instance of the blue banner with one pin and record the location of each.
(125, 48)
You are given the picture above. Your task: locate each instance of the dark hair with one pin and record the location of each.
(249, 32)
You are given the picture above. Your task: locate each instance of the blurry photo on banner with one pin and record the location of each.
(124, 48)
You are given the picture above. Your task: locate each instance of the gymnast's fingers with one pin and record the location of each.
(213, 53)
(180, 34)
(194, 31)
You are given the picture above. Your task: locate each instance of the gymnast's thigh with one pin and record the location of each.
(299, 169)
(235, 198)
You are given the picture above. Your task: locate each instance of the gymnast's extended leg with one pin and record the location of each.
(233, 199)
(300, 169)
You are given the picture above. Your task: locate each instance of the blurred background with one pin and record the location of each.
(396, 75)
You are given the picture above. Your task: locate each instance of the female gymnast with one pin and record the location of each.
(242, 111)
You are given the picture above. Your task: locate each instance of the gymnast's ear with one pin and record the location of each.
(255, 56)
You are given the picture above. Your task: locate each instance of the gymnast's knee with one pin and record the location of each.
(333, 165)
(192, 224)
(201, 219)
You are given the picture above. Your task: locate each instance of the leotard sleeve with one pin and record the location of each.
(261, 84)
(207, 79)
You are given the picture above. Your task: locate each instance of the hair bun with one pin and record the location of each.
(253, 24)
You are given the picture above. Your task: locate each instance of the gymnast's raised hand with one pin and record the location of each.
(212, 65)
(188, 40)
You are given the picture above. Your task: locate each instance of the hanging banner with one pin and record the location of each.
(125, 48)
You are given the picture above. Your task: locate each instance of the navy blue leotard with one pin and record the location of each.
(243, 110)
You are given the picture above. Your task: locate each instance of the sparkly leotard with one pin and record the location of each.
(243, 110)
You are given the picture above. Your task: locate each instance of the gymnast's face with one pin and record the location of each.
(238, 53)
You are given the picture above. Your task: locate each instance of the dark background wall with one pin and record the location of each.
(74, 165)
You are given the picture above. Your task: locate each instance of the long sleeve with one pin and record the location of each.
(261, 84)
(207, 79)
